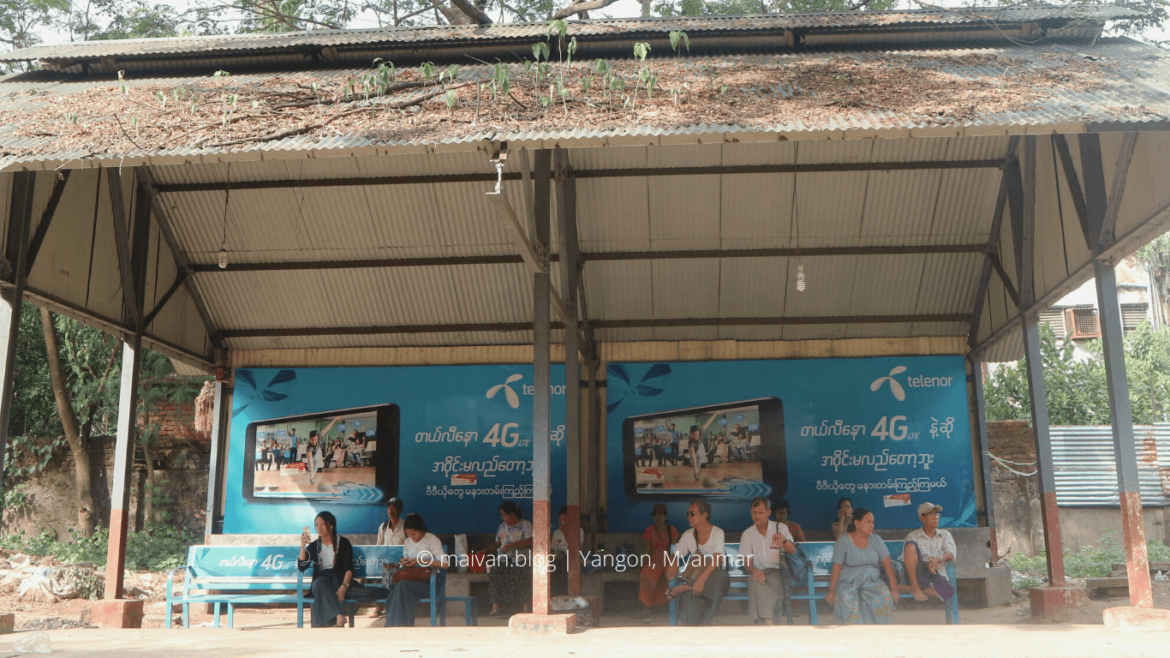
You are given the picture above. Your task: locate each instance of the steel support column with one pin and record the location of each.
(1124, 450)
(541, 328)
(981, 425)
(16, 253)
(215, 473)
(1053, 545)
(1022, 203)
(123, 459)
(566, 189)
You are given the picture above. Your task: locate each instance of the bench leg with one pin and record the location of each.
(167, 623)
(186, 616)
(300, 614)
(215, 624)
(231, 615)
(812, 612)
(434, 612)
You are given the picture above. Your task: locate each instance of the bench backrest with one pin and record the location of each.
(269, 567)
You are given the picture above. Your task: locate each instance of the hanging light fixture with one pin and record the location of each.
(800, 285)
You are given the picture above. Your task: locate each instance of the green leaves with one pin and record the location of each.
(641, 50)
(677, 36)
(559, 27)
(539, 49)
(427, 70)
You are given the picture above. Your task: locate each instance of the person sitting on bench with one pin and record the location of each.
(760, 547)
(706, 579)
(927, 548)
(331, 557)
(781, 510)
(856, 592)
(421, 551)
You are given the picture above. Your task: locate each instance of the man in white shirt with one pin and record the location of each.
(759, 547)
(926, 551)
(392, 532)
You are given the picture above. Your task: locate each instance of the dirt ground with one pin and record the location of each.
(71, 612)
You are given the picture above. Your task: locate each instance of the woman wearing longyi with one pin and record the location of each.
(331, 557)
(856, 592)
(510, 578)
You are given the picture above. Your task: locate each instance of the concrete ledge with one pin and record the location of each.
(114, 613)
(534, 624)
(7, 623)
(1047, 602)
(1129, 618)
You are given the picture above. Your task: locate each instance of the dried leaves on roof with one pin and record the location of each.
(387, 105)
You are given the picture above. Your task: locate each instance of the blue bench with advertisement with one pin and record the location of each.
(820, 557)
(248, 575)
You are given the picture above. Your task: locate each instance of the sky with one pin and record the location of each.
(620, 9)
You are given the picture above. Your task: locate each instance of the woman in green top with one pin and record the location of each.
(856, 592)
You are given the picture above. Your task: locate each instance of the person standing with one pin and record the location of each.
(653, 583)
(674, 441)
(760, 547)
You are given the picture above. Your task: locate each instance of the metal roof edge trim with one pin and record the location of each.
(599, 29)
(641, 136)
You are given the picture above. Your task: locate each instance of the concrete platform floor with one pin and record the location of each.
(1036, 641)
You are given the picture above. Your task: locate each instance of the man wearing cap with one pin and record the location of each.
(927, 548)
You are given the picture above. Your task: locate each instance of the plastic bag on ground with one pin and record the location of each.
(36, 643)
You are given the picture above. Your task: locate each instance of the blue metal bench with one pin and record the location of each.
(738, 590)
(238, 575)
(820, 555)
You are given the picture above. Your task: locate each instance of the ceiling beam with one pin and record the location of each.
(831, 167)
(121, 235)
(597, 324)
(1120, 172)
(596, 257)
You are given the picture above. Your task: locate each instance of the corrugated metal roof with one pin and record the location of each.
(597, 28)
(1086, 469)
(1132, 93)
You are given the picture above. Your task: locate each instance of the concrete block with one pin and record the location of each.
(534, 624)
(1112, 586)
(1129, 618)
(7, 623)
(998, 586)
(1047, 602)
(114, 613)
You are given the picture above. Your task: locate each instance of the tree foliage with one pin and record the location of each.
(1076, 392)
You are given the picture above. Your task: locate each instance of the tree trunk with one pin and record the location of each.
(645, 8)
(78, 444)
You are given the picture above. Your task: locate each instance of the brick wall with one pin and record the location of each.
(1011, 440)
(176, 426)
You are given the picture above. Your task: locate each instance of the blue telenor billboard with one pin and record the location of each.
(888, 433)
(464, 436)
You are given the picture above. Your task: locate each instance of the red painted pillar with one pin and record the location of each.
(123, 458)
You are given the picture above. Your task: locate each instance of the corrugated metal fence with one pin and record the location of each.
(1086, 469)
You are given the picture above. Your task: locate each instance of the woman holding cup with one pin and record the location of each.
(331, 557)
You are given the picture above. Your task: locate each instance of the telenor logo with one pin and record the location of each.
(509, 394)
(895, 387)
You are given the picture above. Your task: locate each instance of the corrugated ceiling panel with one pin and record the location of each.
(763, 332)
(963, 213)
(1051, 235)
(619, 290)
(949, 283)
(753, 287)
(900, 207)
(684, 210)
(816, 332)
(388, 340)
(105, 283)
(686, 333)
(612, 213)
(885, 286)
(756, 209)
(1147, 175)
(62, 267)
(686, 288)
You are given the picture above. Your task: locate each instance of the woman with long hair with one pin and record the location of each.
(510, 579)
(421, 552)
(331, 557)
